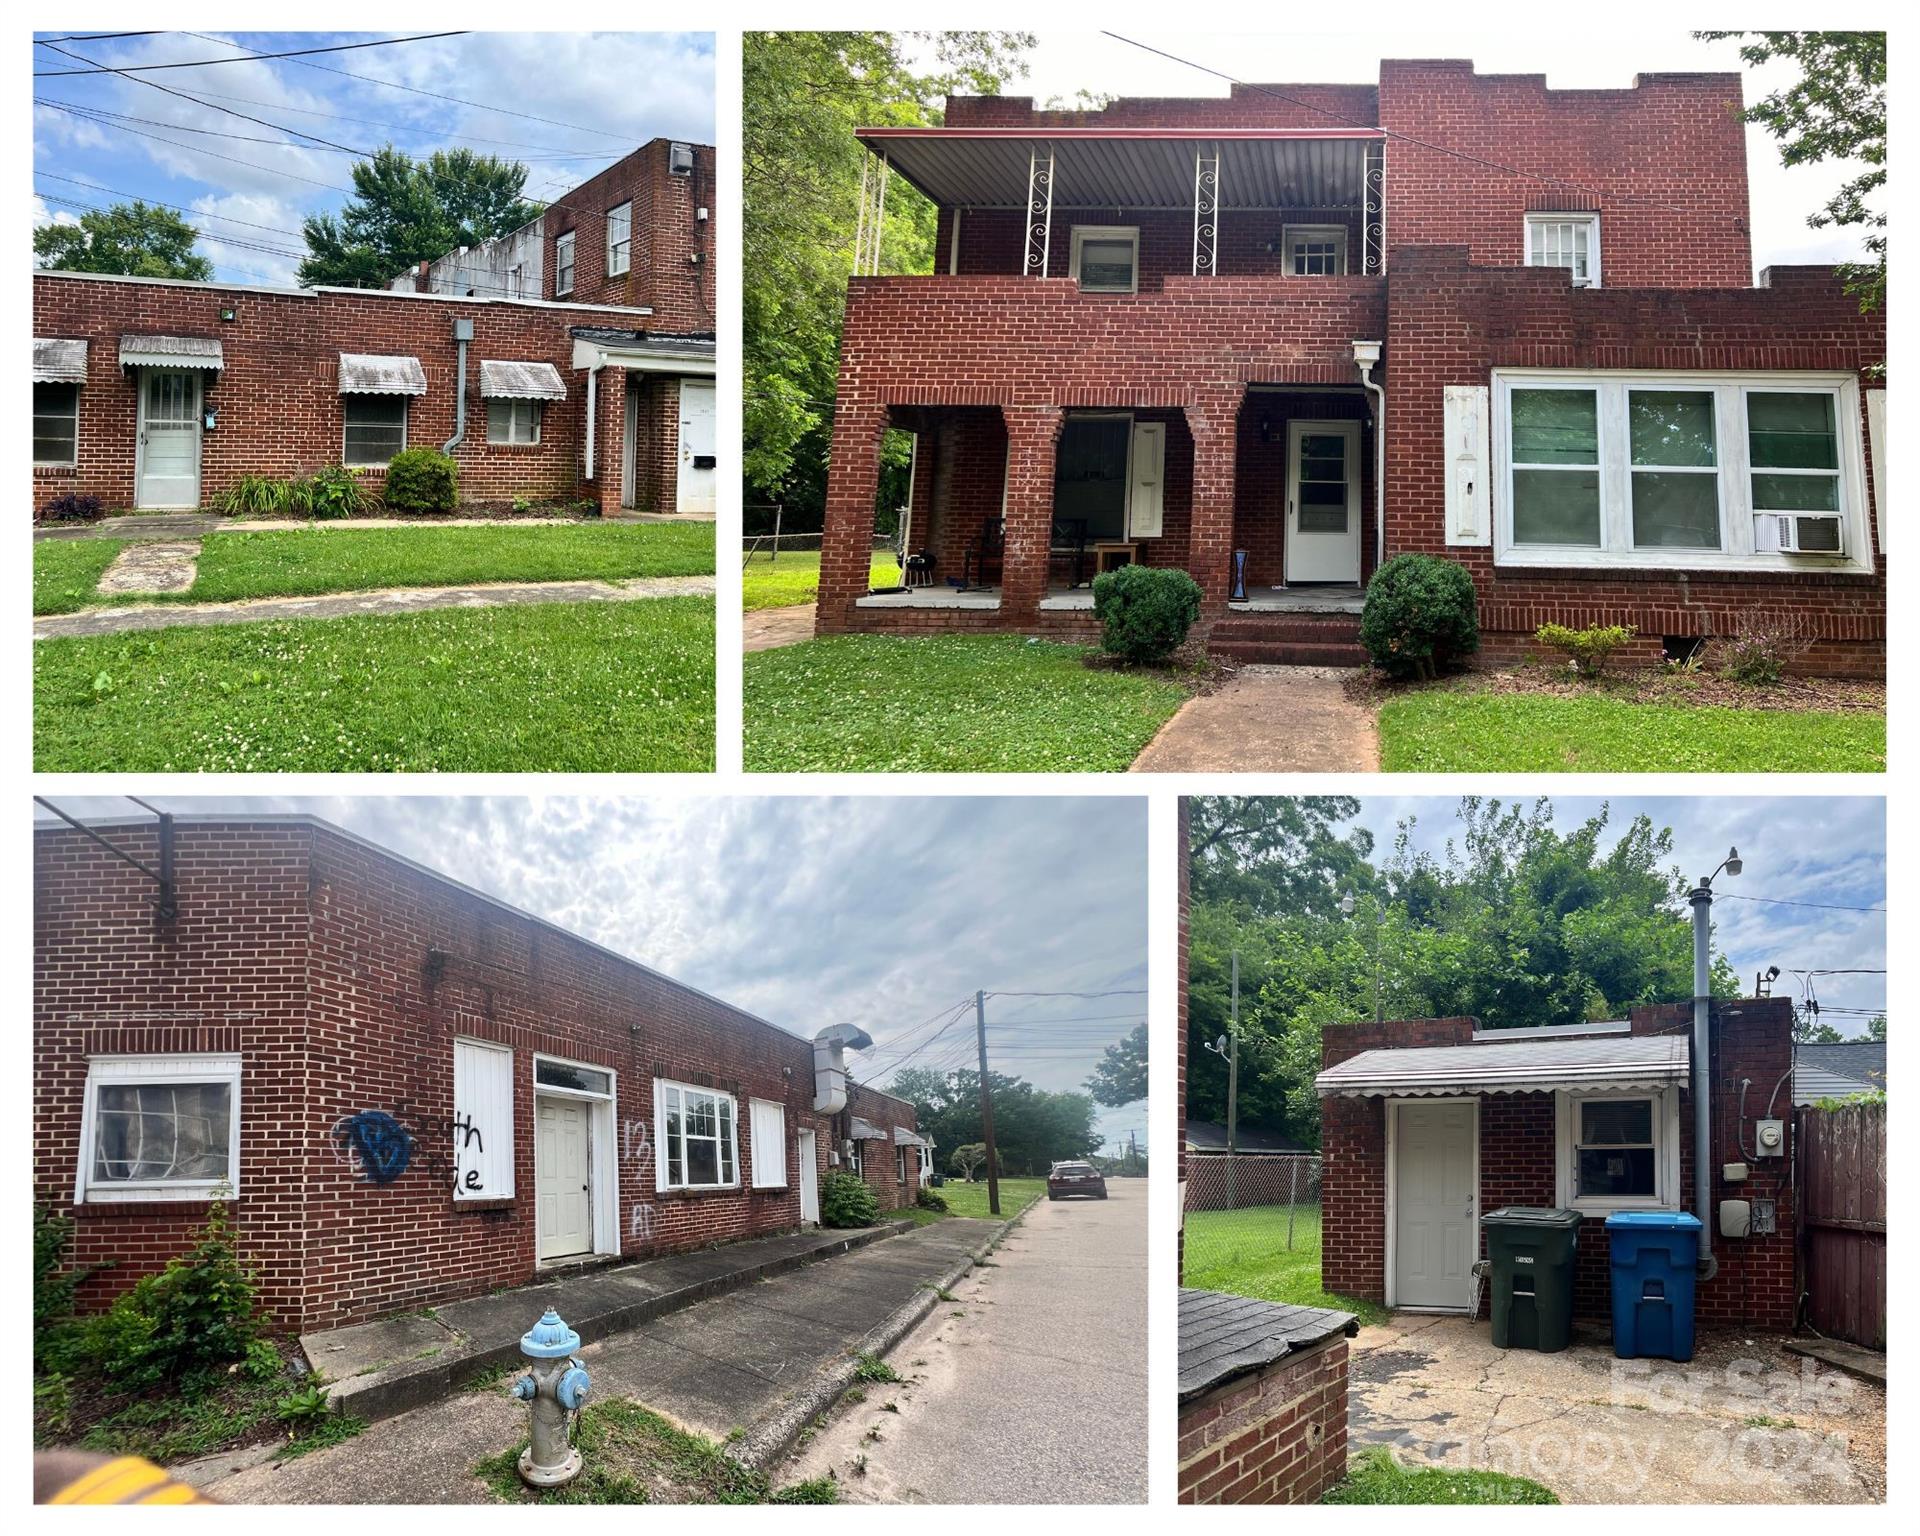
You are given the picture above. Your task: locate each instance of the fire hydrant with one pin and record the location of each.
(556, 1385)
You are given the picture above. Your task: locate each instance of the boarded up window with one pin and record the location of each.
(482, 1121)
(769, 1145)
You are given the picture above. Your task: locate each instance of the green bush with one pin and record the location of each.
(1758, 653)
(845, 1201)
(1145, 611)
(1420, 614)
(1588, 648)
(422, 480)
(931, 1200)
(197, 1315)
(337, 491)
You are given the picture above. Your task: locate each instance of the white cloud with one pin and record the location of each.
(43, 215)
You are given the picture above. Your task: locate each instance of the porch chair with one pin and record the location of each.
(984, 564)
(1070, 539)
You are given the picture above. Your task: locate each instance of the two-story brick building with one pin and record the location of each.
(1279, 337)
(406, 1090)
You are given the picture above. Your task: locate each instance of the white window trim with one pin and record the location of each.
(1591, 220)
(406, 420)
(74, 461)
(535, 410)
(626, 255)
(1085, 232)
(777, 1165)
(1291, 232)
(900, 1166)
(560, 243)
(612, 1077)
(114, 1071)
(1666, 1151)
(1736, 494)
(660, 1087)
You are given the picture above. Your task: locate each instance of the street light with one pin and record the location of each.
(1227, 1047)
(1347, 907)
(1700, 898)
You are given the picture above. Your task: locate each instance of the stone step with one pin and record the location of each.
(1285, 653)
(1311, 631)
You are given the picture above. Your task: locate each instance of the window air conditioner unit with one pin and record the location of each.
(1797, 533)
(680, 160)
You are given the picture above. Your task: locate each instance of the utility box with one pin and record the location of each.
(1769, 1138)
(1530, 1250)
(1736, 1218)
(1653, 1256)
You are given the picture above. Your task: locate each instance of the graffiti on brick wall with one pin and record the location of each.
(641, 1225)
(634, 1145)
(381, 1146)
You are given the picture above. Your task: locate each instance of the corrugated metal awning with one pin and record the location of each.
(171, 352)
(521, 381)
(902, 1137)
(366, 373)
(1138, 168)
(866, 1130)
(58, 361)
(1521, 1066)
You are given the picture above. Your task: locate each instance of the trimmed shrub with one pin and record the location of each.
(1420, 615)
(846, 1201)
(1145, 611)
(422, 480)
(1588, 648)
(930, 1199)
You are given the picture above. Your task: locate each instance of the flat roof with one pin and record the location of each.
(318, 289)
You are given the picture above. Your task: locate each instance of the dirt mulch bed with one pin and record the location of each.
(1189, 668)
(1696, 690)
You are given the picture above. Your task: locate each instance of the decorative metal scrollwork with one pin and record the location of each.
(1206, 209)
(1373, 209)
(873, 216)
(1039, 212)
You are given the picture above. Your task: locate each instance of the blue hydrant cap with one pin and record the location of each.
(549, 1339)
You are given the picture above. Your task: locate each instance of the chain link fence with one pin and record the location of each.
(1251, 1222)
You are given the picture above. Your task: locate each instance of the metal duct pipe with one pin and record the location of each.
(830, 1049)
(1365, 355)
(1701, 900)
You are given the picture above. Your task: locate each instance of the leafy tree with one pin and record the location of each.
(129, 240)
(966, 1159)
(1810, 1029)
(406, 211)
(1120, 1077)
(1277, 853)
(804, 94)
(1877, 1028)
(1032, 1127)
(1836, 110)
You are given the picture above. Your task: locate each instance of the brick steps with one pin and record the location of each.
(1265, 653)
(1289, 640)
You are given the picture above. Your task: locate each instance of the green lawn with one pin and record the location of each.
(971, 1199)
(795, 578)
(946, 704)
(579, 687)
(306, 561)
(1245, 1253)
(1376, 1478)
(1447, 731)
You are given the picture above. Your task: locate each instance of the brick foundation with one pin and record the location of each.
(1277, 1437)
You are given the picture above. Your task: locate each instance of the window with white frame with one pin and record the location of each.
(1570, 240)
(1618, 1150)
(482, 1120)
(698, 1146)
(926, 1162)
(56, 425)
(160, 1128)
(563, 264)
(1679, 470)
(375, 430)
(1315, 250)
(899, 1165)
(619, 238)
(769, 1144)
(857, 1158)
(1106, 258)
(514, 422)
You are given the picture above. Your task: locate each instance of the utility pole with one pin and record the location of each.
(1233, 1089)
(986, 1105)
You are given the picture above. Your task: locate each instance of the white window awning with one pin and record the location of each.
(171, 352)
(521, 381)
(366, 373)
(1637, 1062)
(637, 352)
(59, 361)
(866, 1130)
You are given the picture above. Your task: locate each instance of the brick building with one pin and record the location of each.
(1427, 1124)
(1278, 337)
(888, 1150)
(156, 393)
(407, 1090)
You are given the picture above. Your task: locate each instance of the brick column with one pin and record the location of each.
(1213, 418)
(1033, 436)
(853, 482)
(609, 439)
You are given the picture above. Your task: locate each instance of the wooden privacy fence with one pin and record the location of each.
(1843, 1220)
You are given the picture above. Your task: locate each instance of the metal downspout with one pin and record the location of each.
(1701, 900)
(462, 334)
(1379, 394)
(593, 414)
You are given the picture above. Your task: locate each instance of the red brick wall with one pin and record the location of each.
(884, 1111)
(342, 976)
(670, 268)
(1183, 857)
(1245, 106)
(1277, 1437)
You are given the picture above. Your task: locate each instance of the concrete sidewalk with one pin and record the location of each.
(1268, 720)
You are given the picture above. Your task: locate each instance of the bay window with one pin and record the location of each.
(698, 1143)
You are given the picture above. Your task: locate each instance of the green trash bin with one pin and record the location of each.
(1531, 1252)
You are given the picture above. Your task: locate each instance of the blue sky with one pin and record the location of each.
(1826, 851)
(886, 911)
(618, 90)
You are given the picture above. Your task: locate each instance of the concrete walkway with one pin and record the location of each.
(767, 629)
(173, 525)
(738, 1361)
(1268, 720)
(111, 621)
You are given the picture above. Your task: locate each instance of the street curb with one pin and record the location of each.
(395, 1389)
(775, 1434)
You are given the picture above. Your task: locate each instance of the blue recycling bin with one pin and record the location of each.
(1653, 1255)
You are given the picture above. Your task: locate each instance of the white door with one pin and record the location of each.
(1435, 1204)
(1323, 501)
(631, 438)
(698, 437)
(1146, 473)
(561, 1171)
(169, 468)
(809, 1179)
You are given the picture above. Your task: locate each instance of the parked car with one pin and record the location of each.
(1066, 1179)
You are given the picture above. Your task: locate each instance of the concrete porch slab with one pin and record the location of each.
(932, 597)
(1350, 600)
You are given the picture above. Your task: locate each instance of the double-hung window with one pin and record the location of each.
(857, 1158)
(899, 1165)
(1618, 1150)
(619, 238)
(699, 1148)
(513, 421)
(56, 425)
(376, 429)
(1556, 466)
(1673, 457)
(1570, 240)
(1315, 250)
(1793, 448)
(1106, 259)
(160, 1128)
(563, 264)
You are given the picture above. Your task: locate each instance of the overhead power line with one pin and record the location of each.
(1777, 901)
(290, 53)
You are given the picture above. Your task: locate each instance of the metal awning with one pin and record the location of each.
(902, 1137)
(521, 381)
(1132, 168)
(368, 373)
(866, 1130)
(171, 352)
(1520, 1066)
(57, 361)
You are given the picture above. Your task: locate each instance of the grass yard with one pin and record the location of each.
(795, 579)
(971, 1199)
(1443, 730)
(555, 687)
(946, 704)
(1376, 1478)
(309, 561)
(1245, 1253)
